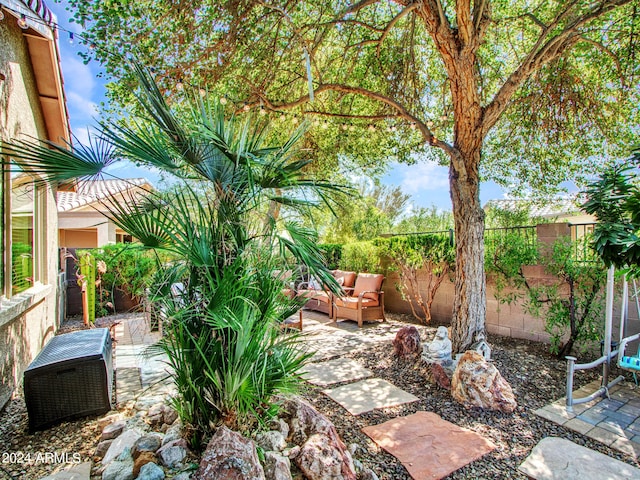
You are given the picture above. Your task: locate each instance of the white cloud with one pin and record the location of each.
(80, 106)
(423, 176)
(78, 77)
(426, 182)
(82, 134)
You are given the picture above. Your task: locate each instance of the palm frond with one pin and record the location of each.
(145, 218)
(302, 243)
(144, 144)
(53, 163)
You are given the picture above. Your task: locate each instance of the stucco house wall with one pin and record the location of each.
(27, 320)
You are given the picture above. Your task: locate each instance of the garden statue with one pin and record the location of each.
(439, 350)
(482, 347)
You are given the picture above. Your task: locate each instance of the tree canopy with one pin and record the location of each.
(378, 76)
(526, 93)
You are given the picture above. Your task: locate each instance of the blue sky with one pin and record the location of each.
(426, 182)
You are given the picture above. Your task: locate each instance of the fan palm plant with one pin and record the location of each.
(222, 220)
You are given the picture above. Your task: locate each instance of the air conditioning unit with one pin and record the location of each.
(71, 377)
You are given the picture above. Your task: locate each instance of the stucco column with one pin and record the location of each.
(106, 233)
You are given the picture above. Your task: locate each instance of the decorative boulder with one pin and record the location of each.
(151, 471)
(173, 453)
(478, 383)
(150, 442)
(121, 468)
(102, 448)
(322, 459)
(141, 460)
(112, 430)
(322, 454)
(271, 441)
(279, 425)
(174, 432)
(169, 415)
(407, 342)
(123, 443)
(304, 420)
(440, 376)
(276, 467)
(229, 456)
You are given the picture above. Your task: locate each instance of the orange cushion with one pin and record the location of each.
(368, 282)
(349, 278)
(352, 302)
(314, 295)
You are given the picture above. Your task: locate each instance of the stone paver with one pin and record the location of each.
(367, 395)
(603, 435)
(559, 459)
(428, 446)
(128, 384)
(81, 471)
(578, 425)
(614, 421)
(335, 371)
(140, 371)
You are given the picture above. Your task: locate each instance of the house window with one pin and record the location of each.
(123, 238)
(22, 205)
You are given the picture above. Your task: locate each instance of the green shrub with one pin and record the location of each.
(126, 267)
(227, 363)
(360, 257)
(572, 306)
(332, 253)
(505, 255)
(432, 253)
(578, 313)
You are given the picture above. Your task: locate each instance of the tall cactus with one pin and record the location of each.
(88, 272)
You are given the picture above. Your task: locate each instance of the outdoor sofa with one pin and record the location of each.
(363, 299)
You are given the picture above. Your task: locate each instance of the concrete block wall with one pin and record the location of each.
(501, 319)
(511, 320)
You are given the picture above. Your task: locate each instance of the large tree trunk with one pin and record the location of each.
(469, 306)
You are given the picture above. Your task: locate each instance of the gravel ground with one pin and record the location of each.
(27, 456)
(537, 378)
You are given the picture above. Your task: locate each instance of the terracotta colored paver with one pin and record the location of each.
(559, 459)
(428, 446)
(335, 371)
(367, 395)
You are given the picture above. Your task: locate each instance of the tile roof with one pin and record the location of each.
(40, 8)
(91, 191)
(552, 207)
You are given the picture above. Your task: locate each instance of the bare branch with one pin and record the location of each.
(536, 20)
(541, 54)
(356, 7)
(481, 18)
(439, 29)
(363, 43)
(355, 22)
(613, 56)
(395, 20)
(402, 112)
(352, 116)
